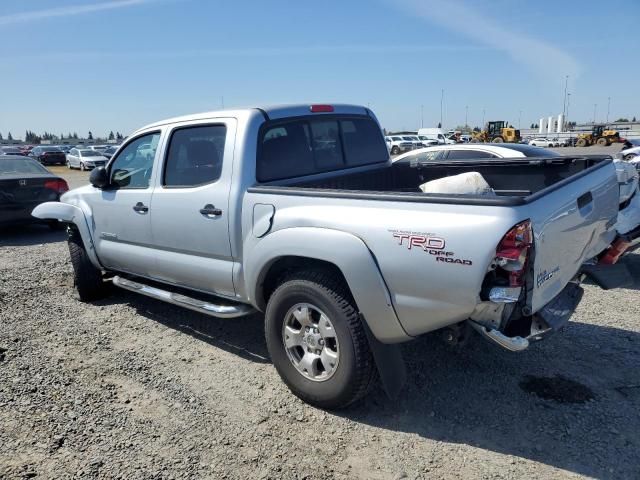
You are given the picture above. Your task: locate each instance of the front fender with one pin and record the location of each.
(70, 214)
(347, 252)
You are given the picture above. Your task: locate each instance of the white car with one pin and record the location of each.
(474, 151)
(396, 144)
(542, 142)
(85, 159)
(631, 154)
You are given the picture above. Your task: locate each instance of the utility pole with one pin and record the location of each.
(421, 116)
(483, 112)
(466, 115)
(566, 118)
(595, 109)
(441, 104)
(519, 118)
(608, 106)
(564, 98)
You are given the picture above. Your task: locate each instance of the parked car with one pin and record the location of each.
(48, 155)
(630, 151)
(436, 134)
(9, 150)
(541, 142)
(426, 141)
(473, 151)
(396, 144)
(65, 148)
(333, 241)
(24, 184)
(109, 151)
(85, 159)
(97, 148)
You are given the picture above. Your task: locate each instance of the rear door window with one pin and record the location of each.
(306, 146)
(194, 156)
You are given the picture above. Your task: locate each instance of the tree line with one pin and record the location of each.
(32, 137)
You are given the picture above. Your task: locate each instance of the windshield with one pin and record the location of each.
(89, 153)
(20, 165)
(50, 149)
(407, 138)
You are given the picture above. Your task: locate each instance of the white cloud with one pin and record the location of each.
(540, 56)
(35, 15)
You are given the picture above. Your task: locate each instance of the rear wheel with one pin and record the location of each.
(602, 142)
(68, 165)
(82, 167)
(87, 278)
(497, 140)
(317, 341)
(581, 142)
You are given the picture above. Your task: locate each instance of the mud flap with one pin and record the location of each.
(557, 312)
(609, 276)
(390, 364)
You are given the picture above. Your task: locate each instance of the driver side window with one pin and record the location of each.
(133, 166)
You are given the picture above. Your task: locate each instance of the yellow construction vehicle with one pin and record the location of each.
(599, 136)
(497, 132)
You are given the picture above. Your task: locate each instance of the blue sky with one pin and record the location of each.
(100, 65)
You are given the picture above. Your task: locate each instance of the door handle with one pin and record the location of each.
(210, 211)
(140, 207)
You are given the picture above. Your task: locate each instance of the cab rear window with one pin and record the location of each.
(306, 146)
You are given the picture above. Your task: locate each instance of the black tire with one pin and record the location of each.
(395, 150)
(86, 278)
(356, 370)
(629, 156)
(82, 167)
(497, 140)
(581, 142)
(602, 142)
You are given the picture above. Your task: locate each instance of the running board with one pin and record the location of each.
(220, 311)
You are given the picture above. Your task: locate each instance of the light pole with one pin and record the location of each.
(483, 112)
(519, 118)
(564, 98)
(595, 109)
(466, 115)
(608, 106)
(441, 104)
(566, 118)
(421, 116)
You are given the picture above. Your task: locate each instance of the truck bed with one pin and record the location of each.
(515, 181)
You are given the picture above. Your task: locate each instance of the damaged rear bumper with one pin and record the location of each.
(551, 318)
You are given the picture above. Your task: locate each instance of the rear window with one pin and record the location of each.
(531, 151)
(307, 146)
(10, 166)
(469, 155)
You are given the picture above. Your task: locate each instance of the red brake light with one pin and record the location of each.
(321, 108)
(513, 252)
(57, 185)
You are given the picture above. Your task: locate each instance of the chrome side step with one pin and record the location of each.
(220, 311)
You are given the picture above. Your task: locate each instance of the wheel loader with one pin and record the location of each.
(598, 136)
(497, 132)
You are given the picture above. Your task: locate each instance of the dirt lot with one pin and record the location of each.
(131, 388)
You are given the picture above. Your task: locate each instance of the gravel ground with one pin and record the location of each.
(128, 387)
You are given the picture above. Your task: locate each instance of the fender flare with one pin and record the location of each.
(70, 214)
(344, 250)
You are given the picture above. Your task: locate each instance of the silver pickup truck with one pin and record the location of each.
(297, 212)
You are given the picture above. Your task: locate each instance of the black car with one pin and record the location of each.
(109, 151)
(24, 183)
(48, 155)
(11, 151)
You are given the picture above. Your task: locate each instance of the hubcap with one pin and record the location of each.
(310, 342)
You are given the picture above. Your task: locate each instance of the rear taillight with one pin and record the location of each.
(513, 252)
(57, 185)
(321, 108)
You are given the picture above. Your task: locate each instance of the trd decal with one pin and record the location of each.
(544, 276)
(429, 243)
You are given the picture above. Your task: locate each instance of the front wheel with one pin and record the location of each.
(630, 156)
(395, 150)
(317, 341)
(497, 140)
(581, 142)
(87, 278)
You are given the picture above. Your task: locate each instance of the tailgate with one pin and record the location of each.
(571, 224)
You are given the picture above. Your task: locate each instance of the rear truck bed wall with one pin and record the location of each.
(394, 236)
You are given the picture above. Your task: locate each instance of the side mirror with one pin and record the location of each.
(99, 177)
